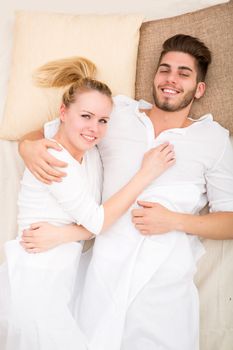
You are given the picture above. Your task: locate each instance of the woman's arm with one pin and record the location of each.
(155, 162)
(33, 148)
(74, 197)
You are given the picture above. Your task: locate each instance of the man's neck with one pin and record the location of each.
(163, 120)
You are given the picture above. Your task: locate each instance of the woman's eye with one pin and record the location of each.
(87, 116)
(103, 121)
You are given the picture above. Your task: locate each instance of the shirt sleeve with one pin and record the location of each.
(220, 180)
(74, 196)
(51, 128)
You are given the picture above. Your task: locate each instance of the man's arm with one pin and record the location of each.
(33, 150)
(42, 236)
(32, 136)
(154, 218)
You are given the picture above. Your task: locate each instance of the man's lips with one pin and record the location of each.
(169, 91)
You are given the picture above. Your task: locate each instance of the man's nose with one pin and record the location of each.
(172, 77)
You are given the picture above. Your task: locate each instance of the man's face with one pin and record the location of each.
(175, 83)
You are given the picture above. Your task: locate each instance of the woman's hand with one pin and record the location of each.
(43, 236)
(157, 160)
(40, 162)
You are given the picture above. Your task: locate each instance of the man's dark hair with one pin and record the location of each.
(192, 46)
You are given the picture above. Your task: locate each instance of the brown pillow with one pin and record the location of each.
(214, 26)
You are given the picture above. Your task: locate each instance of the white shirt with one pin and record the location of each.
(74, 200)
(204, 156)
(123, 260)
(203, 172)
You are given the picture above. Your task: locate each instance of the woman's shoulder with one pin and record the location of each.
(122, 101)
(62, 154)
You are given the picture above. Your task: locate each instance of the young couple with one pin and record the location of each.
(138, 291)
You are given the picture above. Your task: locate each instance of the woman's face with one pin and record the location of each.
(84, 122)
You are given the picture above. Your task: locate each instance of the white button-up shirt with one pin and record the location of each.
(123, 260)
(204, 156)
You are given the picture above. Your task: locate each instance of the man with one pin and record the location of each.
(139, 291)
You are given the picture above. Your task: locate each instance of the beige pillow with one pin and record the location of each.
(110, 41)
(214, 26)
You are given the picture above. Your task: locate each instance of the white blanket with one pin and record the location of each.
(213, 278)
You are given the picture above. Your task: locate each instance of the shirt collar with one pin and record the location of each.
(142, 104)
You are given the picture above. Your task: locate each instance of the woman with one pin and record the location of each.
(39, 289)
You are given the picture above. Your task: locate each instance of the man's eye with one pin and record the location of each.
(184, 74)
(164, 71)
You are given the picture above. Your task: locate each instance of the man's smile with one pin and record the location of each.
(169, 91)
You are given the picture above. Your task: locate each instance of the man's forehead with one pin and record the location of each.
(178, 60)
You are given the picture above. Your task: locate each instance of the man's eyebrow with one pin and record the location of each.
(165, 65)
(180, 67)
(185, 68)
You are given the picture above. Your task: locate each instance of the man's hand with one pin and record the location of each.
(42, 236)
(153, 218)
(40, 162)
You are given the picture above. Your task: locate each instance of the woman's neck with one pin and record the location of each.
(64, 142)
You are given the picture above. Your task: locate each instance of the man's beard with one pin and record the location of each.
(168, 106)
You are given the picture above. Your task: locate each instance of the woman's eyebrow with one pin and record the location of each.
(88, 112)
(93, 114)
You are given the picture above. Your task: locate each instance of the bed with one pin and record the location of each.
(214, 25)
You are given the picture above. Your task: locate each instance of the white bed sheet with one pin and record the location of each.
(213, 278)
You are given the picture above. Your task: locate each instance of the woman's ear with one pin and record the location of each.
(62, 112)
(200, 89)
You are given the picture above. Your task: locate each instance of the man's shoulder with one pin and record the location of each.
(209, 134)
(211, 127)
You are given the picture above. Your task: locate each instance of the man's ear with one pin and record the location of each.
(200, 89)
(62, 112)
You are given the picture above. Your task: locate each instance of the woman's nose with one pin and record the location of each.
(94, 126)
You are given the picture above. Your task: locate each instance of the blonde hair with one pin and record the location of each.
(77, 72)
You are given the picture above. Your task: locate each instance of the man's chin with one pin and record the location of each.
(167, 107)
(170, 107)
